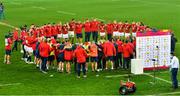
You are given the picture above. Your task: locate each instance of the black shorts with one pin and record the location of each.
(37, 54)
(51, 58)
(8, 52)
(87, 59)
(60, 57)
(109, 58)
(94, 59)
(79, 35)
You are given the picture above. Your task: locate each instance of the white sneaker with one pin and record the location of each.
(25, 59)
(4, 61)
(22, 51)
(85, 76)
(44, 72)
(78, 77)
(31, 62)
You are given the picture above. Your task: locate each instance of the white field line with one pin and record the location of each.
(171, 93)
(156, 3)
(66, 13)
(178, 43)
(1, 85)
(7, 25)
(36, 7)
(169, 82)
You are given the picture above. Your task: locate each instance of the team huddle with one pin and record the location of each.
(104, 46)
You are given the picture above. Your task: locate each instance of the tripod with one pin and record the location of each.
(155, 68)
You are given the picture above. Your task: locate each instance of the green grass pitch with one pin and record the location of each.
(27, 80)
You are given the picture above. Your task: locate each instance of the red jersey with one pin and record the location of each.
(80, 54)
(78, 28)
(121, 27)
(23, 34)
(141, 28)
(87, 27)
(48, 31)
(109, 49)
(64, 29)
(119, 44)
(102, 28)
(68, 55)
(126, 51)
(72, 26)
(109, 29)
(15, 35)
(127, 28)
(53, 31)
(94, 26)
(93, 50)
(59, 29)
(44, 49)
(115, 27)
(8, 43)
(53, 41)
(134, 27)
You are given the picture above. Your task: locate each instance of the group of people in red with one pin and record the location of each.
(105, 46)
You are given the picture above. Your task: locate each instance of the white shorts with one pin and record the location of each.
(71, 33)
(127, 34)
(121, 33)
(134, 34)
(65, 36)
(59, 36)
(102, 33)
(116, 33)
(28, 49)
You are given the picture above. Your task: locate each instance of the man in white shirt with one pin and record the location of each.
(174, 66)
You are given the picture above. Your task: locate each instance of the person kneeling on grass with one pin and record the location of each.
(81, 55)
(8, 43)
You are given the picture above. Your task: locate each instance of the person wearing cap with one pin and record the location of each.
(174, 66)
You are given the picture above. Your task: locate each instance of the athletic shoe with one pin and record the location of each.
(44, 72)
(4, 61)
(22, 51)
(30, 62)
(84, 76)
(78, 77)
(22, 58)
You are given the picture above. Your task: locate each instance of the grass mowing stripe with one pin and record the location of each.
(36, 7)
(10, 84)
(65, 12)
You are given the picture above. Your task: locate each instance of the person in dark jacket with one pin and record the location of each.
(173, 42)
